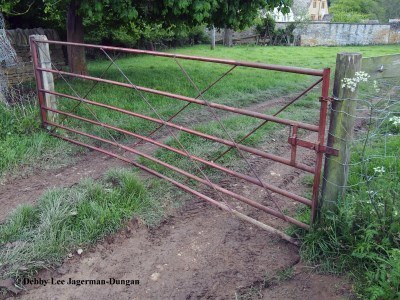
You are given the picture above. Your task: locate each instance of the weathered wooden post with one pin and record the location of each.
(340, 130)
(46, 81)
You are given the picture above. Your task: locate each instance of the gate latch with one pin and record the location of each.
(294, 141)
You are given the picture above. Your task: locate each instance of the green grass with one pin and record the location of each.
(24, 143)
(65, 219)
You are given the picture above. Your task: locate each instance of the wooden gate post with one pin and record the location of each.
(44, 58)
(340, 132)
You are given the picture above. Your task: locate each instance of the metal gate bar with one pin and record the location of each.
(189, 175)
(193, 100)
(251, 150)
(319, 147)
(216, 166)
(287, 69)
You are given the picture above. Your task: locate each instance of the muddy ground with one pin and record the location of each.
(198, 252)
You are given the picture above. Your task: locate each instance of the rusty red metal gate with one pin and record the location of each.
(318, 146)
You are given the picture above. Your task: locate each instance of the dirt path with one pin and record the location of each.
(200, 253)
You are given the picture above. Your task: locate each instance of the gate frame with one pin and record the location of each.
(319, 147)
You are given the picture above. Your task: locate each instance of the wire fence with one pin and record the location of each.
(13, 84)
(375, 147)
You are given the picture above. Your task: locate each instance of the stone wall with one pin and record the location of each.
(394, 37)
(342, 34)
(23, 70)
(331, 34)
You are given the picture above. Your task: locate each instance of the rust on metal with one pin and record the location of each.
(38, 78)
(216, 166)
(294, 141)
(293, 149)
(72, 134)
(287, 69)
(193, 100)
(255, 151)
(321, 141)
(189, 175)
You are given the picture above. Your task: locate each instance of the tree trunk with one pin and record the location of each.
(213, 38)
(228, 36)
(76, 55)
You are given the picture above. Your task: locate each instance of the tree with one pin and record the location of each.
(94, 10)
(392, 8)
(354, 11)
(234, 14)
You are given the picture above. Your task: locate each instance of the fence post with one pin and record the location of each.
(46, 78)
(340, 133)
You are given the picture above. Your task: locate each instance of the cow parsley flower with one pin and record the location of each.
(351, 83)
(379, 170)
(395, 120)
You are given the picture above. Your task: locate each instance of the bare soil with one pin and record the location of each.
(198, 252)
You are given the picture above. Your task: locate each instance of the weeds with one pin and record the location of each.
(363, 237)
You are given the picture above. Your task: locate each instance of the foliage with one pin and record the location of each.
(354, 11)
(22, 141)
(233, 14)
(142, 35)
(392, 8)
(266, 27)
(282, 36)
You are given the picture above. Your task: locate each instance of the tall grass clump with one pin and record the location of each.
(64, 219)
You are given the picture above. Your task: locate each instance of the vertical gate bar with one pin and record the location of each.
(294, 146)
(321, 141)
(39, 81)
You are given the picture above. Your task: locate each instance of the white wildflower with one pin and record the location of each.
(351, 83)
(395, 120)
(376, 87)
(380, 170)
